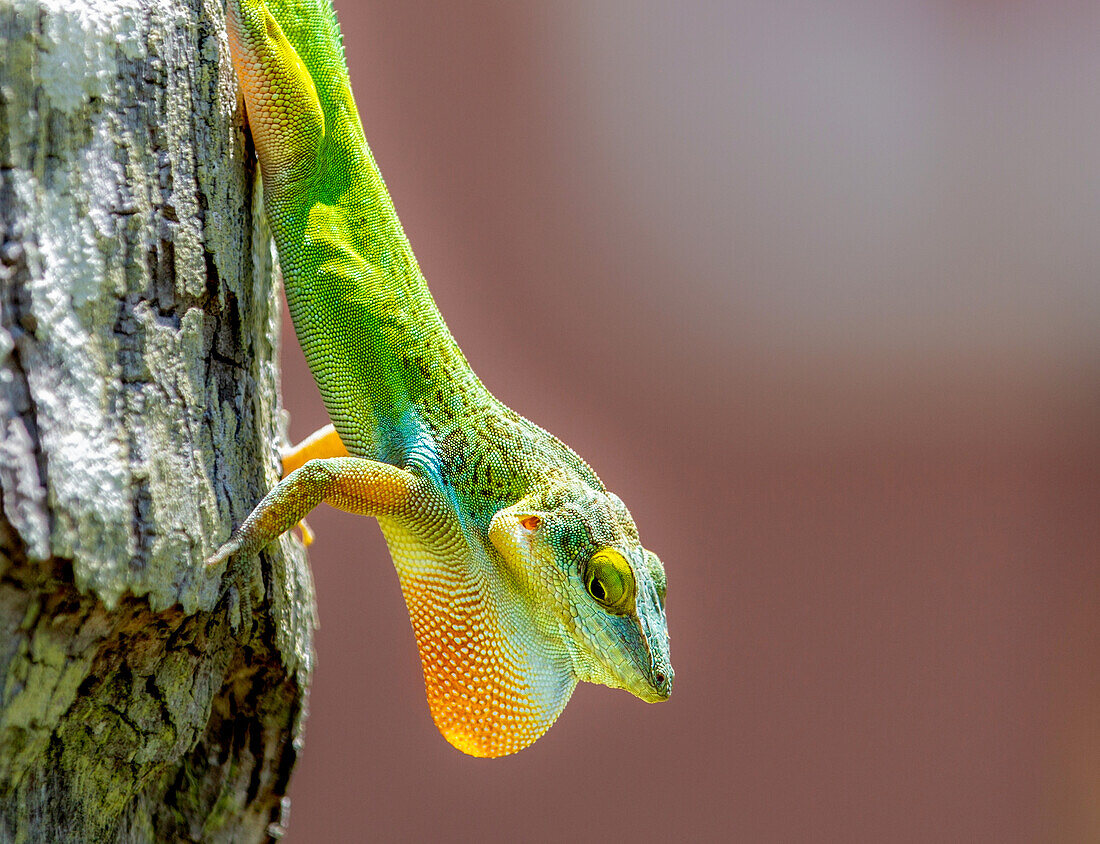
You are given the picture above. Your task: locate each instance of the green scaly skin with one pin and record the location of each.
(521, 572)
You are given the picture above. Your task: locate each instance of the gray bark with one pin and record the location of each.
(141, 699)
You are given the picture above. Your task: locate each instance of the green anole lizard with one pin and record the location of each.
(522, 574)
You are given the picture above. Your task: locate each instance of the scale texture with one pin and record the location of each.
(521, 572)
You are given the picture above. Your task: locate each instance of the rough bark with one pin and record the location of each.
(140, 698)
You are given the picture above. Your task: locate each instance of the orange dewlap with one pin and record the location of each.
(476, 688)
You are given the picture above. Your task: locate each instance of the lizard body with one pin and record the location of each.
(522, 574)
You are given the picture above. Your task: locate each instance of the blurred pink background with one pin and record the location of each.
(814, 287)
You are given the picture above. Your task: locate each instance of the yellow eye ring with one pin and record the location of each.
(609, 580)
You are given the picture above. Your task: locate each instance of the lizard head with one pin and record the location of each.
(571, 595)
(597, 595)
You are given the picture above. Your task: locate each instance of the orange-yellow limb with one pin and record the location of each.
(365, 487)
(322, 443)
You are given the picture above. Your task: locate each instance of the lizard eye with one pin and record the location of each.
(531, 522)
(609, 581)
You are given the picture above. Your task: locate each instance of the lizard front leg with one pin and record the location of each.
(324, 442)
(365, 487)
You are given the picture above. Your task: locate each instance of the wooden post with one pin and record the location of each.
(140, 699)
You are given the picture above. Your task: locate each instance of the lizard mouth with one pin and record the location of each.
(656, 683)
(652, 686)
(650, 624)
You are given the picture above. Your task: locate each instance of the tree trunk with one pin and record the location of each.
(140, 698)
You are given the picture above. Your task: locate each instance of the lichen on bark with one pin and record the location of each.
(140, 698)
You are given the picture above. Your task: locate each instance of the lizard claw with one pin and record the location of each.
(306, 533)
(244, 577)
(219, 557)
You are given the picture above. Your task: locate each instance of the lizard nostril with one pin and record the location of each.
(662, 684)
